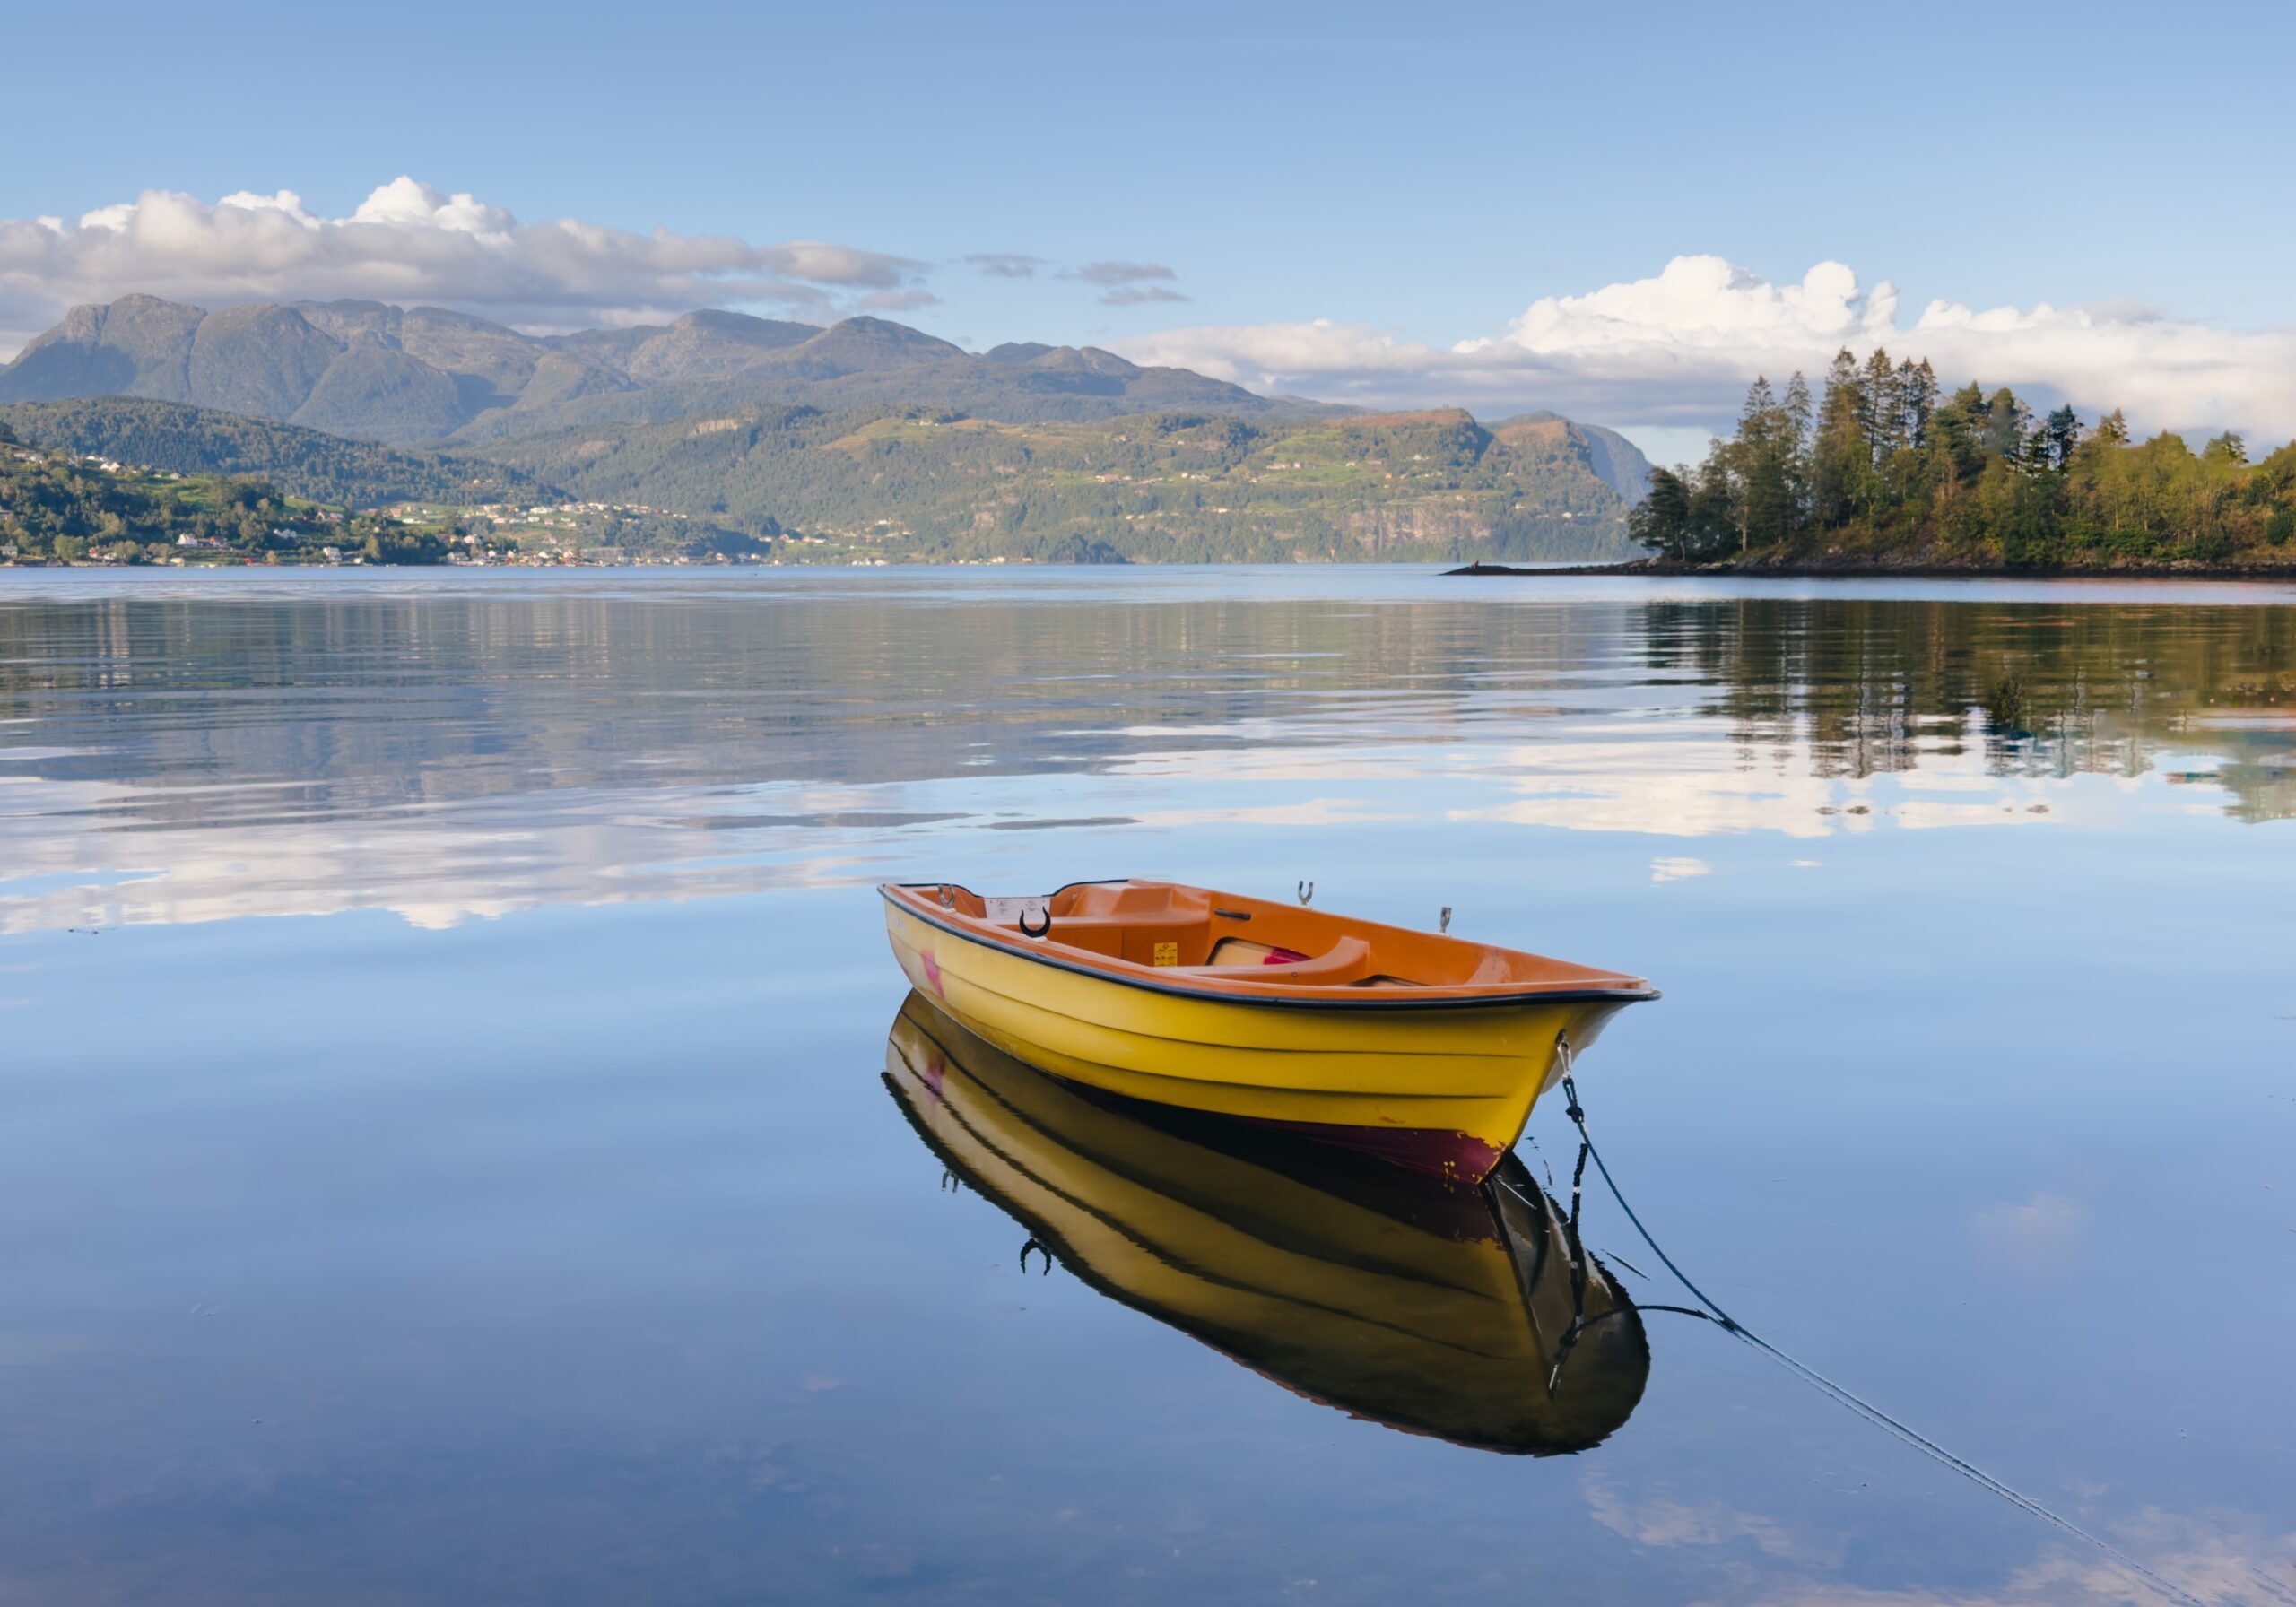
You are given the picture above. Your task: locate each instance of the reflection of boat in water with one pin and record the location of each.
(1465, 1311)
(1425, 1049)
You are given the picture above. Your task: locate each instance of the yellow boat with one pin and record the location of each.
(1465, 1312)
(1426, 1050)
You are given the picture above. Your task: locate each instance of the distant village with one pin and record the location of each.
(544, 536)
(590, 534)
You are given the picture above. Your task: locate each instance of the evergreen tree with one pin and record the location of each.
(1885, 411)
(2227, 448)
(1716, 522)
(1661, 520)
(1841, 453)
(2007, 421)
(1797, 420)
(1764, 467)
(1917, 402)
(1955, 450)
(2055, 441)
(1796, 410)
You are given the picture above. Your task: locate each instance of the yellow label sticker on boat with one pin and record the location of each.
(1168, 953)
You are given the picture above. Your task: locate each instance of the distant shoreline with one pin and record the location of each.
(1654, 570)
(1643, 569)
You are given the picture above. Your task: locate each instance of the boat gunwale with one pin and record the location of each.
(1344, 999)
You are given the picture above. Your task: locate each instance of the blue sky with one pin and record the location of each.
(1424, 174)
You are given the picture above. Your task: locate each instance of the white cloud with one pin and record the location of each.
(1128, 284)
(409, 243)
(1676, 350)
(1006, 264)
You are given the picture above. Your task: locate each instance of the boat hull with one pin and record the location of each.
(1444, 1091)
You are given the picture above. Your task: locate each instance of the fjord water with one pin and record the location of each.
(445, 1154)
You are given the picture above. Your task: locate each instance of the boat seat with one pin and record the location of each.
(1131, 936)
(1010, 912)
(1347, 960)
(1178, 921)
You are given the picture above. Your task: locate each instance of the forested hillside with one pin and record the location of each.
(1883, 469)
(1170, 487)
(302, 463)
(54, 509)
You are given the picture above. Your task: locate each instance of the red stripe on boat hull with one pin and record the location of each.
(1458, 1157)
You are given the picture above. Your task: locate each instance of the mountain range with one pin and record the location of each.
(422, 375)
(880, 435)
(1171, 487)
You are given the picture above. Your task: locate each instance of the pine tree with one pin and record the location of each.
(1842, 460)
(1883, 413)
(1796, 411)
(1762, 465)
(2054, 440)
(1917, 402)
(2007, 422)
(1797, 414)
(1661, 520)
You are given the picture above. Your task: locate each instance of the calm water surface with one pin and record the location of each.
(447, 1154)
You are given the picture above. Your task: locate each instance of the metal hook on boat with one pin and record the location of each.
(1446, 926)
(948, 897)
(1307, 892)
(1032, 1244)
(1029, 930)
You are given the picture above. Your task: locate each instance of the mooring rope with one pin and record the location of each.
(1713, 1313)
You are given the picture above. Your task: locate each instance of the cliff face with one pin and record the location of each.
(1616, 460)
(1379, 532)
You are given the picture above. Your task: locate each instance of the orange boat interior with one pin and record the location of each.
(1225, 942)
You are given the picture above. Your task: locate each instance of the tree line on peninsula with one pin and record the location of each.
(1883, 467)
